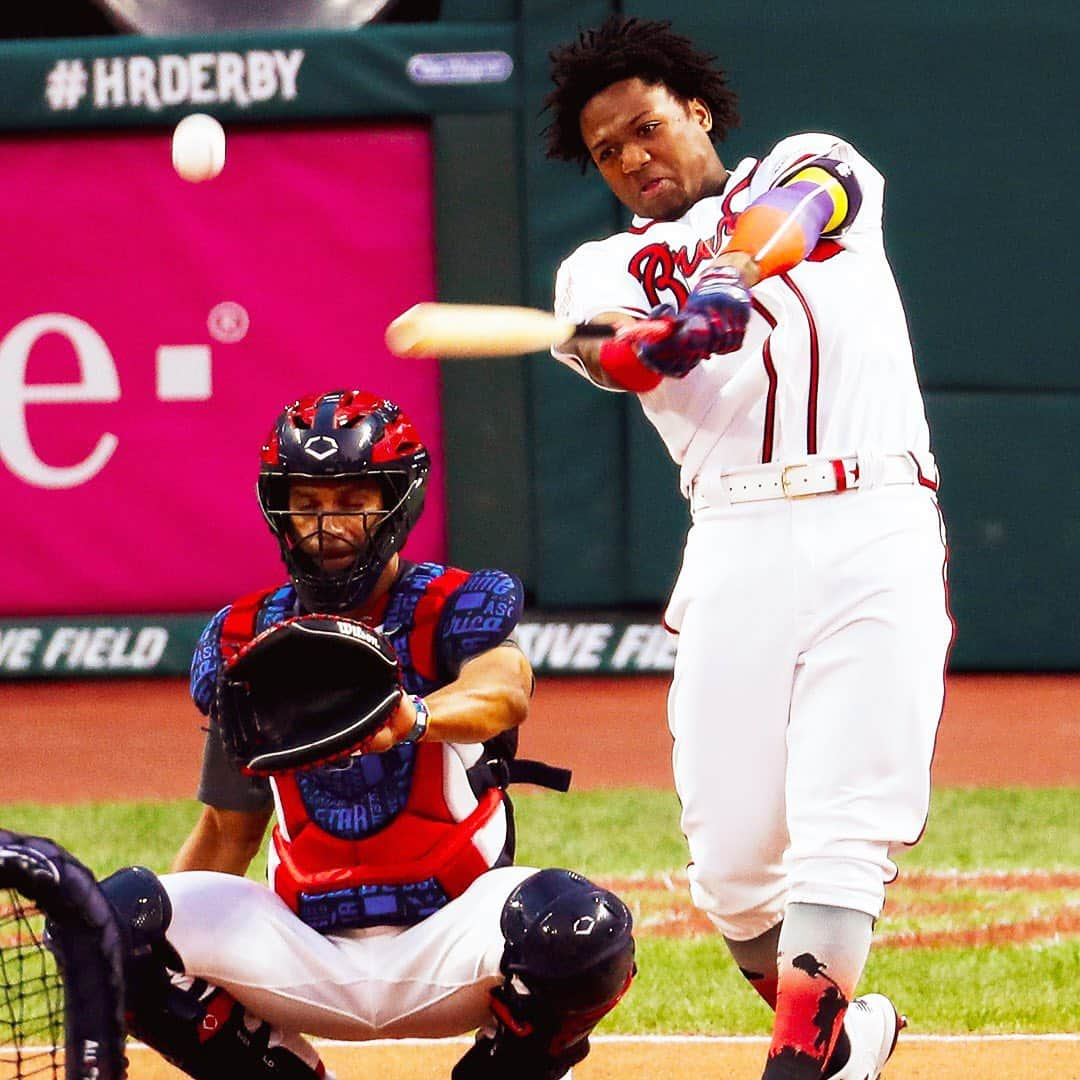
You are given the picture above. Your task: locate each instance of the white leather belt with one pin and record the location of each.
(813, 476)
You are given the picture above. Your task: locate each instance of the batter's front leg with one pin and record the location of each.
(728, 711)
(864, 713)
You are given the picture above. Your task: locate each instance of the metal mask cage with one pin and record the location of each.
(336, 590)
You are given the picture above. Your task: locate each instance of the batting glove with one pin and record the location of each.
(713, 320)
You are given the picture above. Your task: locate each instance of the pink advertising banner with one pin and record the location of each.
(151, 329)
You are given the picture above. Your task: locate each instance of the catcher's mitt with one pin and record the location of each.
(307, 690)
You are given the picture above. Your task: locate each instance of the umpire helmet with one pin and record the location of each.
(343, 435)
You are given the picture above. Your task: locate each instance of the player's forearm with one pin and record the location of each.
(490, 695)
(748, 269)
(225, 841)
(202, 852)
(587, 350)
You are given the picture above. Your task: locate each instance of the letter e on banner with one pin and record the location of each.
(98, 381)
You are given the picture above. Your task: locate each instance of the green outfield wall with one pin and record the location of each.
(967, 109)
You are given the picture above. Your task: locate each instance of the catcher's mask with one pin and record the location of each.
(346, 436)
(304, 692)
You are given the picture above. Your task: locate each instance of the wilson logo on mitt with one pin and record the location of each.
(306, 691)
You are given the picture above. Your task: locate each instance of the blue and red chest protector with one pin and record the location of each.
(390, 838)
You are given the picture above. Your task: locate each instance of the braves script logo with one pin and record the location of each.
(659, 268)
(656, 265)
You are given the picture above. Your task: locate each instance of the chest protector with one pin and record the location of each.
(388, 839)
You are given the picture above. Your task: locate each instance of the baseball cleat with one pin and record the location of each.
(872, 1024)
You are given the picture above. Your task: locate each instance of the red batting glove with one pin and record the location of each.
(620, 356)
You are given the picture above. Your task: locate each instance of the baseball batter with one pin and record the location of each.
(761, 328)
(394, 907)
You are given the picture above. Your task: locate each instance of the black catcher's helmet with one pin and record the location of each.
(344, 435)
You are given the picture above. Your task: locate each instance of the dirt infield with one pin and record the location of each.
(724, 1059)
(141, 739)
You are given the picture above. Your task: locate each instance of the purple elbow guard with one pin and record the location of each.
(809, 204)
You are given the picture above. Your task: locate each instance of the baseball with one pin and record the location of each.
(198, 148)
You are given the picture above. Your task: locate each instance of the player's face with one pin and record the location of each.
(332, 520)
(652, 148)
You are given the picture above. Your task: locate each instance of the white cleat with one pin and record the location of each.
(872, 1024)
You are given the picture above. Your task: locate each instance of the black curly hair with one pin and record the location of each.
(627, 48)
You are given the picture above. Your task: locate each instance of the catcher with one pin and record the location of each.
(372, 705)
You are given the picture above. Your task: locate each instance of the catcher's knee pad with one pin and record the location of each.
(200, 1028)
(568, 959)
(143, 912)
(568, 940)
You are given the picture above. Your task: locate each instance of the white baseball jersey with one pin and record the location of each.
(826, 364)
(812, 632)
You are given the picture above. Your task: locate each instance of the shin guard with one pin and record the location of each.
(568, 960)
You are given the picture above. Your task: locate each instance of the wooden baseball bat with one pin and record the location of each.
(476, 330)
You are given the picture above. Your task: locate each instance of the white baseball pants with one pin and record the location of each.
(429, 980)
(808, 689)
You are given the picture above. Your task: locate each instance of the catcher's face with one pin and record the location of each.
(332, 521)
(652, 148)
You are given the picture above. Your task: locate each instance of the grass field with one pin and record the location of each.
(981, 933)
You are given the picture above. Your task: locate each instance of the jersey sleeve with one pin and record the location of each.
(206, 662)
(794, 152)
(222, 784)
(479, 615)
(587, 284)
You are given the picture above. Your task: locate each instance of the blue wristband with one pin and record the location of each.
(423, 718)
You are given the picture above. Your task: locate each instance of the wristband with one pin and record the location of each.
(620, 357)
(621, 361)
(423, 718)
